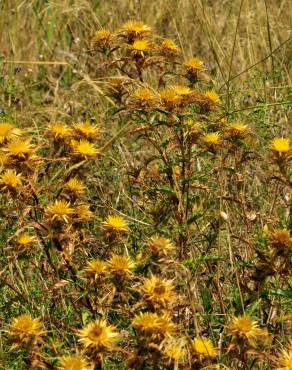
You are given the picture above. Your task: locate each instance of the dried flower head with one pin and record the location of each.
(120, 264)
(60, 210)
(60, 130)
(280, 145)
(98, 335)
(8, 132)
(24, 327)
(83, 212)
(75, 185)
(96, 268)
(73, 363)
(203, 348)
(115, 223)
(86, 130)
(10, 179)
(84, 148)
(160, 246)
(168, 48)
(159, 291)
(244, 327)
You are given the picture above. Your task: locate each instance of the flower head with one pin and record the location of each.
(280, 145)
(84, 148)
(212, 138)
(144, 97)
(244, 327)
(96, 268)
(60, 130)
(102, 38)
(73, 363)
(203, 348)
(157, 326)
(285, 358)
(24, 327)
(238, 130)
(115, 223)
(193, 66)
(134, 29)
(87, 130)
(19, 148)
(25, 239)
(83, 212)
(281, 240)
(170, 98)
(8, 132)
(212, 97)
(10, 179)
(159, 291)
(168, 47)
(60, 210)
(140, 47)
(98, 335)
(120, 264)
(160, 246)
(174, 349)
(75, 185)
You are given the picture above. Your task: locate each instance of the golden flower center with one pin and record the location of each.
(159, 289)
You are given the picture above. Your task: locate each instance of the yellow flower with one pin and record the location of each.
(212, 138)
(170, 98)
(280, 145)
(238, 129)
(25, 239)
(11, 179)
(244, 327)
(84, 148)
(87, 130)
(102, 38)
(116, 223)
(75, 185)
(182, 90)
(60, 130)
(145, 97)
(133, 29)
(194, 65)
(159, 291)
(160, 245)
(150, 323)
(140, 47)
(60, 210)
(25, 327)
(174, 349)
(96, 268)
(4, 158)
(83, 212)
(212, 97)
(168, 47)
(73, 363)
(120, 264)
(98, 335)
(8, 132)
(285, 359)
(203, 348)
(19, 148)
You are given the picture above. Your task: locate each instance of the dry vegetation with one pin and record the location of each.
(145, 184)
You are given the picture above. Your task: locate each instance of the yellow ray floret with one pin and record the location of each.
(11, 179)
(158, 291)
(60, 130)
(160, 245)
(280, 145)
(244, 327)
(73, 363)
(86, 129)
(203, 348)
(8, 132)
(285, 358)
(24, 327)
(25, 239)
(135, 29)
(115, 223)
(96, 267)
(120, 264)
(84, 148)
(194, 65)
(169, 47)
(75, 185)
(213, 138)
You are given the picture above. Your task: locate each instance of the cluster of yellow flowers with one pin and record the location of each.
(144, 284)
